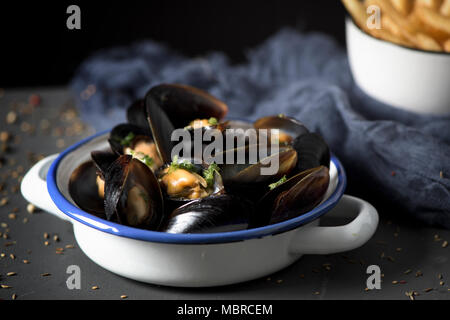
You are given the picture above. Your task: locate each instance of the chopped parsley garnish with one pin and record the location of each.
(213, 121)
(208, 174)
(278, 183)
(128, 139)
(185, 164)
(147, 160)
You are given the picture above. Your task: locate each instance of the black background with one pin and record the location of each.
(37, 49)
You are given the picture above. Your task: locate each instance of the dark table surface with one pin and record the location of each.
(411, 257)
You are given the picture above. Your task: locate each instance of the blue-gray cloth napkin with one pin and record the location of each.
(398, 160)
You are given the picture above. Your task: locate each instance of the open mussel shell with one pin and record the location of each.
(298, 195)
(102, 160)
(252, 172)
(183, 103)
(312, 151)
(84, 190)
(132, 194)
(290, 128)
(137, 115)
(223, 213)
(187, 185)
(118, 137)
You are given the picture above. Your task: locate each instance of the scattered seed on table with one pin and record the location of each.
(407, 271)
(2, 255)
(4, 225)
(10, 274)
(26, 261)
(70, 246)
(95, 288)
(317, 293)
(5, 136)
(25, 220)
(441, 283)
(402, 282)
(123, 296)
(14, 296)
(31, 208)
(3, 202)
(46, 235)
(4, 286)
(11, 117)
(437, 238)
(12, 256)
(5, 236)
(45, 274)
(12, 216)
(445, 244)
(440, 277)
(46, 243)
(395, 282)
(366, 289)
(428, 289)
(56, 238)
(410, 295)
(419, 273)
(9, 244)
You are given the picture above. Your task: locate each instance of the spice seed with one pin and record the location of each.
(95, 288)
(407, 271)
(123, 296)
(419, 273)
(70, 246)
(12, 256)
(10, 274)
(45, 275)
(31, 208)
(4, 286)
(56, 238)
(395, 282)
(14, 296)
(26, 261)
(12, 216)
(441, 283)
(428, 289)
(445, 244)
(47, 243)
(46, 235)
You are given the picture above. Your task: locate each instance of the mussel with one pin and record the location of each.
(132, 194)
(289, 128)
(292, 197)
(216, 214)
(133, 140)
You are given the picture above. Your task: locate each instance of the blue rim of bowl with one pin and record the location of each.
(162, 237)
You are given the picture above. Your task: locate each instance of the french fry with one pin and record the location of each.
(387, 8)
(432, 4)
(426, 42)
(434, 19)
(387, 36)
(425, 28)
(357, 11)
(447, 45)
(403, 6)
(445, 8)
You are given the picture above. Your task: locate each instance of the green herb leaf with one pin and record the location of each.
(213, 121)
(278, 183)
(208, 174)
(185, 164)
(146, 159)
(128, 139)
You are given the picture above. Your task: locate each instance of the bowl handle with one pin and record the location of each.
(327, 240)
(34, 187)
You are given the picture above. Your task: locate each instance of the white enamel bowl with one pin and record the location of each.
(196, 260)
(410, 79)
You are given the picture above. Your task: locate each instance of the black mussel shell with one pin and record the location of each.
(294, 197)
(287, 125)
(183, 103)
(312, 151)
(117, 139)
(250, 173)
(84, 190)
(102, 160)
(137, 115)
(223, 213)
(132, 194)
